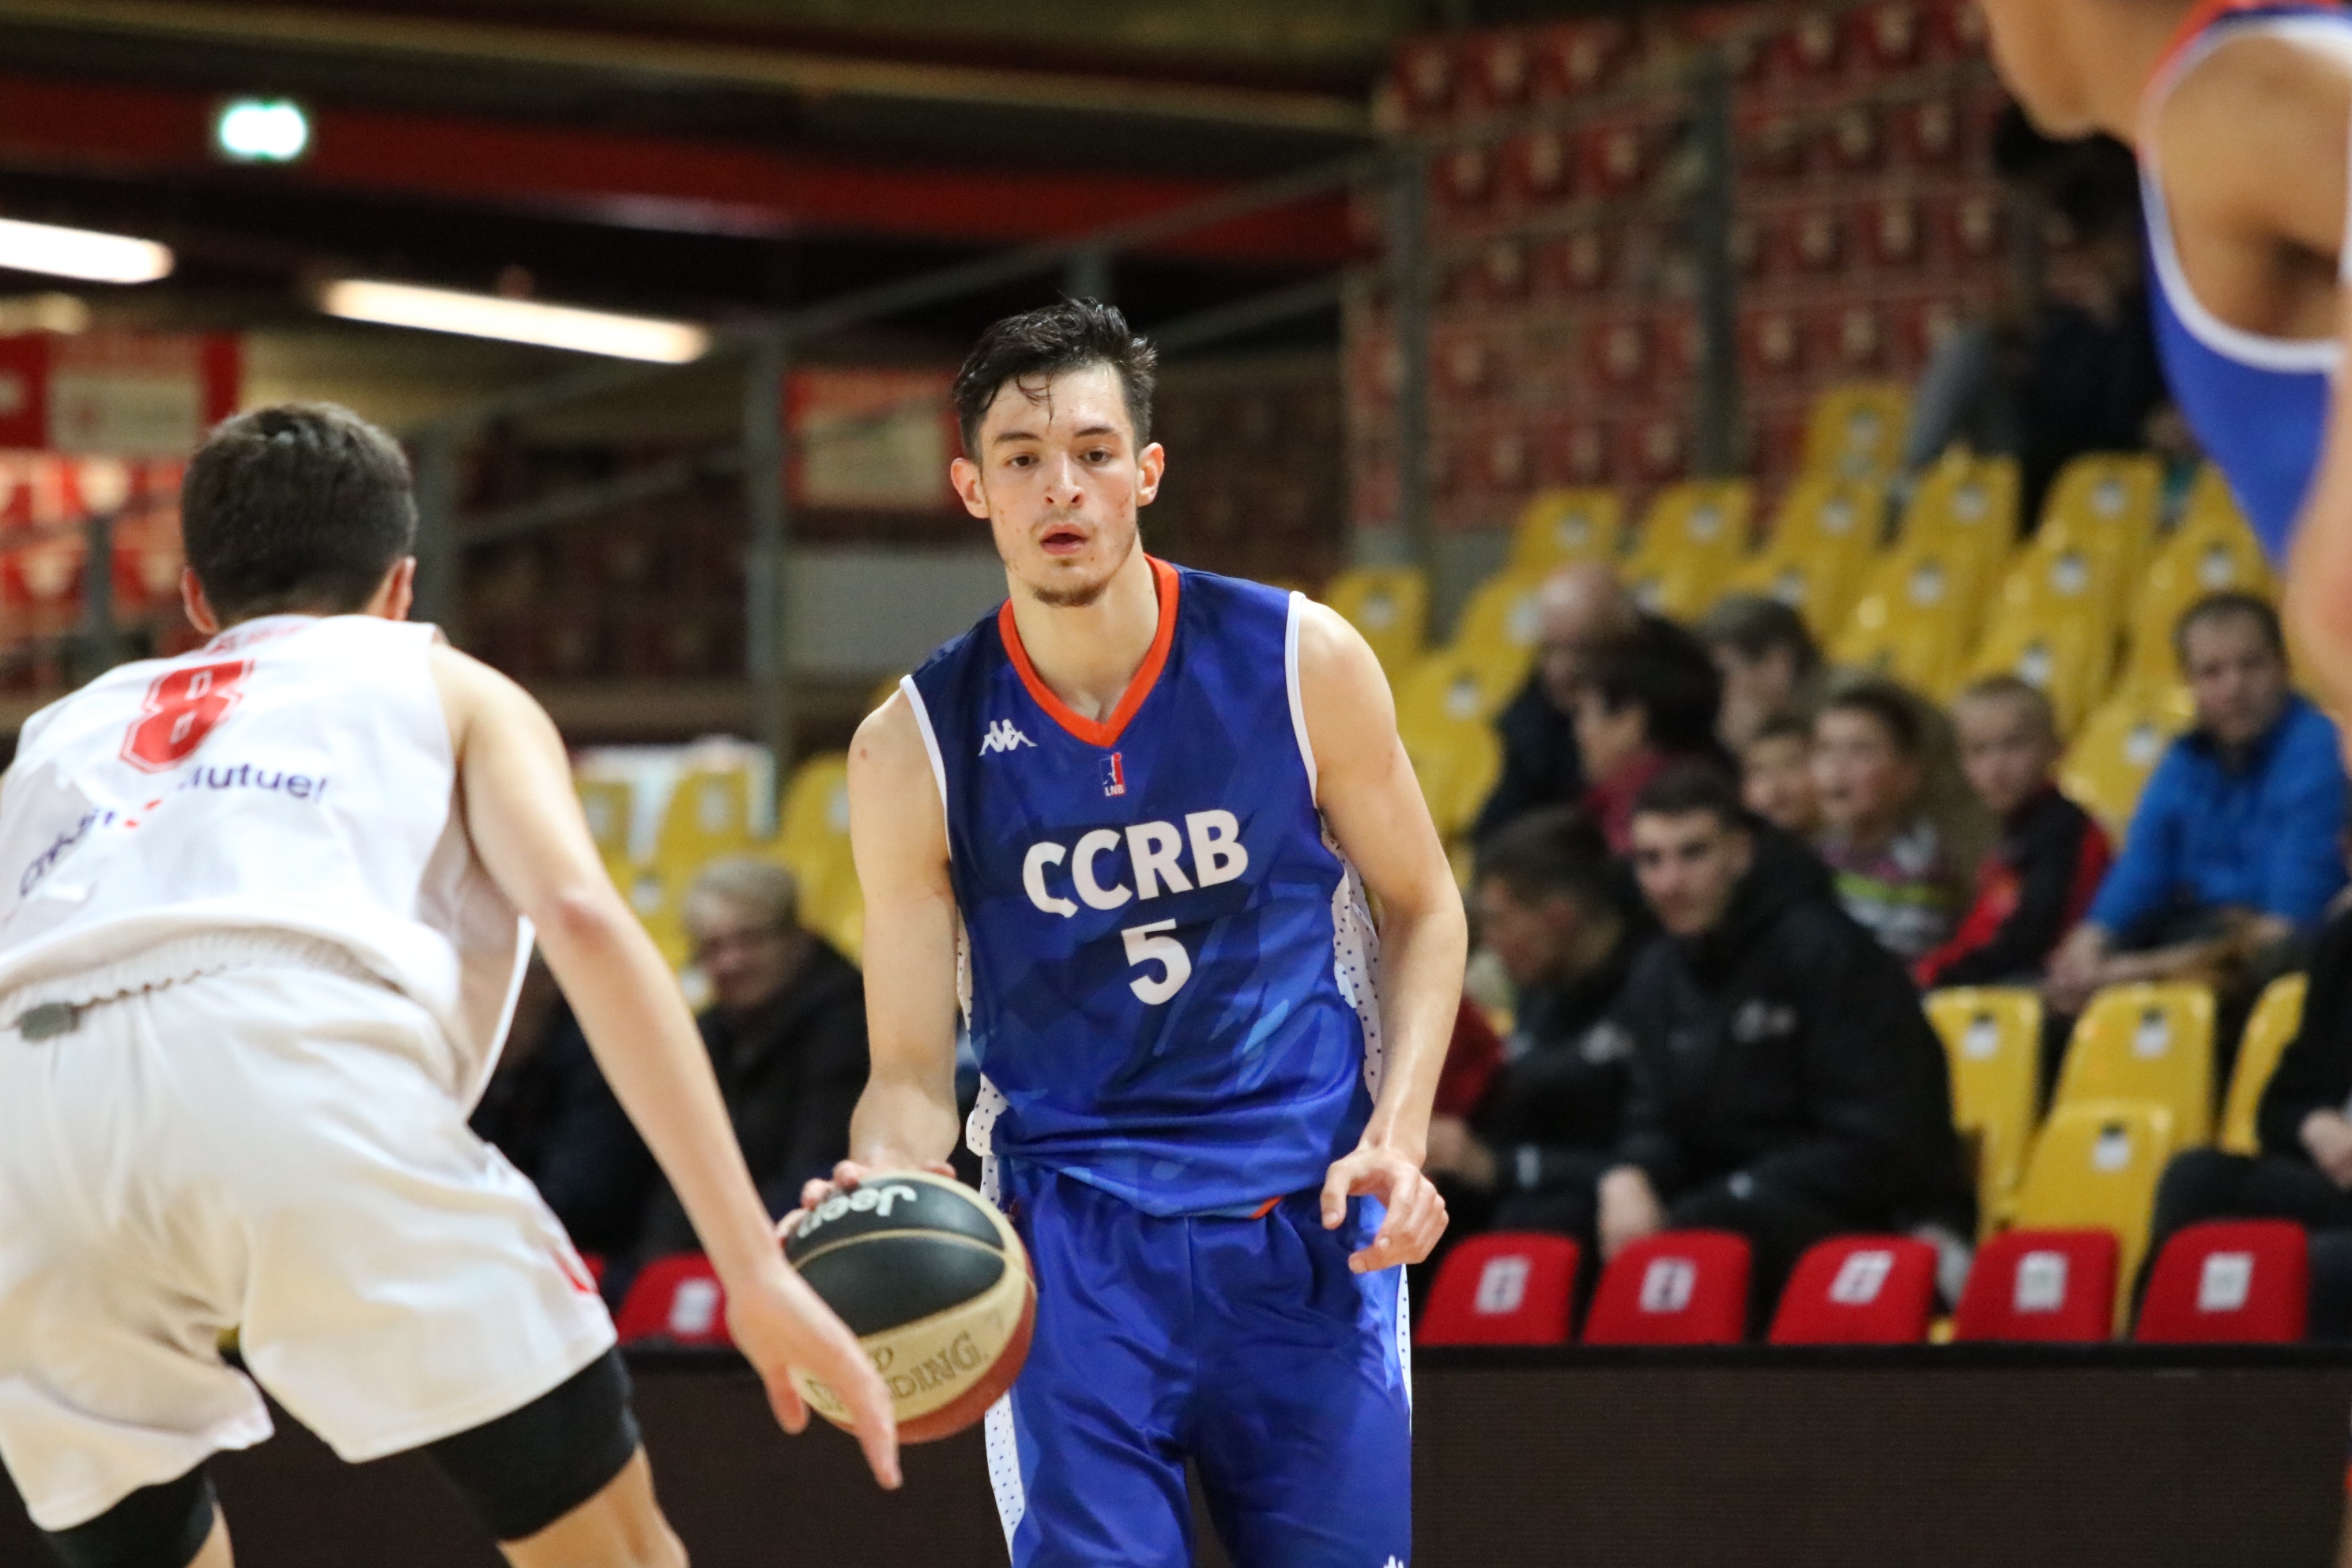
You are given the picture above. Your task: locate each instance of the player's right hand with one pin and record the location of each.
(780, 1323)
(847, 1176)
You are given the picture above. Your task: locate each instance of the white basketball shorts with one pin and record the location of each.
(266, 1149)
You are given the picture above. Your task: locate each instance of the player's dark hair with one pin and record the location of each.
(1555, 852)
(1668, 676)
(1891, 707)
(1034, 347)
(2230, 605)
(299, 506)
(1693, 786)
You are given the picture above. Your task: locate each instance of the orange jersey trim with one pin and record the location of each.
(2207, 12)
(1104, 734)
(1265, 1208)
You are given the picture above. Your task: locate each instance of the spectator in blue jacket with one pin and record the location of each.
(2231, 853)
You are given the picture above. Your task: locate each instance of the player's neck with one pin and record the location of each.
(2130, 42)
(1088, 654)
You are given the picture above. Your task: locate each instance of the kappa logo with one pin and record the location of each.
(1004, 736)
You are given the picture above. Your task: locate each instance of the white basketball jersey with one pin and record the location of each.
(292, 776)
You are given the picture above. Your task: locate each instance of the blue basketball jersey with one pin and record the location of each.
(2258, 404)
(1171, 991)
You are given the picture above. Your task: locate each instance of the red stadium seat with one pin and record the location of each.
(677, 1300)
(2229, 1282)
(1684, 1287)
(2051, 1285)
(1508, 1288)
(1858, 1290)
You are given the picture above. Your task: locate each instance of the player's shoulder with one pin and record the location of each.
(2260, 101)
(890, 744)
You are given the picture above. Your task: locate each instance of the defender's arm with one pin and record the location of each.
(1368, 796)
(526, 824)
(897, 831)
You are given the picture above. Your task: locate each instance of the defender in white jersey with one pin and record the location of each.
(262, 920)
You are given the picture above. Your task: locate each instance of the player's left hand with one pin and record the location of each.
(1416, 1215)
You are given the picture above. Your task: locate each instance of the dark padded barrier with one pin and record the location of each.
(1964, 1456)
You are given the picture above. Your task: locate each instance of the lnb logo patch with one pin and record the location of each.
(1114, 776)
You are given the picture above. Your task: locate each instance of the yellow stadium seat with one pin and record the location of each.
(2147, 1042)
(709, 815)
(2107, 504)
(2095, 1167)
(2212, 552)
(2052, 624)
(1693, 541)
(1993, 1036)
(1390, 605)
(1498, 631)
(1563, 526)
(2276, 1021)
(1964, 512)
(1443, 716)
(1856, 432)
(814, 815)
(1824, 540)
(655, 893)
(1911, 622)
(2108, 764)
(610, 805)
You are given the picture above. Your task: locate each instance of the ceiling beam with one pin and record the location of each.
(637, 180)
(420, 42)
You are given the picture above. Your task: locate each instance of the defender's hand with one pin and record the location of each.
(779, 1323)
(1630, 1209)
(1416, 1215)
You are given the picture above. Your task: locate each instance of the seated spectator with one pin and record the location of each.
(2232, 851)
(1776, 775)
(1769, 663)
(786, 1031)
(1528, 1158)
(2046, 378)
(1646, 701)
(2304, 1170)
(1579, 609)
(1784, 1081)
(1886, 853)
(2038, 879)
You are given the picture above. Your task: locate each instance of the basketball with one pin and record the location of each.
(936, 1285)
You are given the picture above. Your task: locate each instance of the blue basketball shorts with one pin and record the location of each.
(1244, 1345)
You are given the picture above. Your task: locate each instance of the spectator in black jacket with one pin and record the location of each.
(786, 1032)
(1581, 608)
(1785, 1083)
(1527, 1157)
(2034, 885)
(2304, 1170)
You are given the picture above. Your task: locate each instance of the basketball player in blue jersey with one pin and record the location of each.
(2241, 112)
(1145, 805)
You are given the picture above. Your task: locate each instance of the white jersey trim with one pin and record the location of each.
(1003, 1446)
(1298, 704)
(2289, 356)
(931, 740)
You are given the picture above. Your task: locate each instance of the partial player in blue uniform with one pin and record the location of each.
(2241, 114)
(1136, 813)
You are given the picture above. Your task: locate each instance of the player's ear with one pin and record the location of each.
(964, 475)
(192, 600)
(396, 594)
(1151, 462)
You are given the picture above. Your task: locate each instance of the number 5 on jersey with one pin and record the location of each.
(1146, 945)
(182, 708)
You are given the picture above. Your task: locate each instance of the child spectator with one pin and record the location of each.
(2034, 885)
(1644, 703)
(1776, 775)
(1885, 851)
